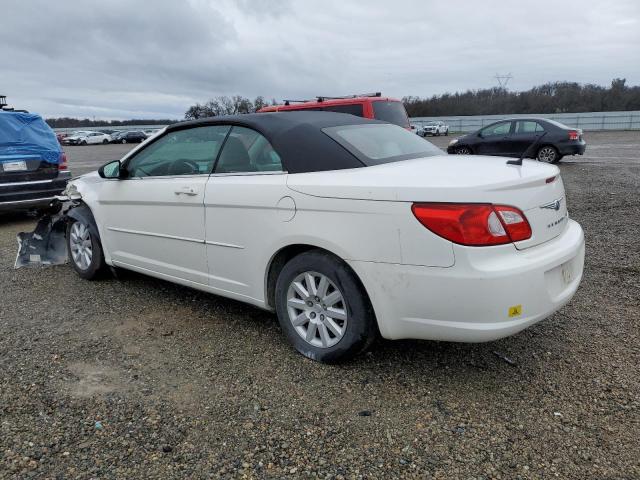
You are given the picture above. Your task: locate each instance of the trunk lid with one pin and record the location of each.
(453, 178)
(25, 168)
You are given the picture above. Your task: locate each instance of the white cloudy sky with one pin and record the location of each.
(116, 59)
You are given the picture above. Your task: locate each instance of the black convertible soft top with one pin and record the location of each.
(296, 136)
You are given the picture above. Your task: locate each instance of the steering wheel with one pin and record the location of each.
(183, 167)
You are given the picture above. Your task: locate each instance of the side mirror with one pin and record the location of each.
(111, 170)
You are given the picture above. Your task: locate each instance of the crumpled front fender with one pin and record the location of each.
(47, 245)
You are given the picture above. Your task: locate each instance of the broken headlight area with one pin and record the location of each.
(46, 245)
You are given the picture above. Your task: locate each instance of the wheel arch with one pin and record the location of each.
(286, 253)
(83, 213)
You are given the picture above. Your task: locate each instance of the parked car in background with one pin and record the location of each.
(372, 105)
(151, 132)
(132, 136)
(74, 138)
(280, 211)
(33, 167)
(513, 137)
(435, 129)
(61, 136)
(95, 138)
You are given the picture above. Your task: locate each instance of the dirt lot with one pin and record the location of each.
(138, 378)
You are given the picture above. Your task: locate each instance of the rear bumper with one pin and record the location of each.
(35, 194)
(490, 292)
(573, 149)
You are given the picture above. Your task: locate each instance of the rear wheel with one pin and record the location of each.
(548, 154)
(85, 250)
(124, 140)
(446, 132)
(463, 151)
(105, 141)
(323, 309)
(83, 142)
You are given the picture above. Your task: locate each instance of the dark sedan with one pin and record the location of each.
(133, 136)
(513, 137)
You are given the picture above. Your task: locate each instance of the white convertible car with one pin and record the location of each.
(348, 228)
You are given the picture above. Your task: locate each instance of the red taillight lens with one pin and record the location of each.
(573, 135)
(473, 224)
(63, 162)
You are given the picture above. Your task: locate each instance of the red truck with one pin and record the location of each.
(371, 105)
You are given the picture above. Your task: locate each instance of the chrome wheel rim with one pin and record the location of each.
(547, 154)
(463, 151)
(80, 245)
(317, 309)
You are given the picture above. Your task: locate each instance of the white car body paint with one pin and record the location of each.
(219, 233)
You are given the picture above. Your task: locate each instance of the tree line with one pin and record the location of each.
(556, 97)
(224, 105)
(67, 122)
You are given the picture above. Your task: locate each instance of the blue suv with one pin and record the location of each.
(33, 167)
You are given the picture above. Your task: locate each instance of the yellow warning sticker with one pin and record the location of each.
(515, 311)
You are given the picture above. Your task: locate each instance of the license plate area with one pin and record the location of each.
(561, 278)
(17, 166)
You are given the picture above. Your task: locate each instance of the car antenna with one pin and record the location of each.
(519, 160)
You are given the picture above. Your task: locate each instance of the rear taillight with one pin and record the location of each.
(473, 224)
(63, 162)
(574, 135)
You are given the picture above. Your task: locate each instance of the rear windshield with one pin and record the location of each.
(374, 144)
(392, 112)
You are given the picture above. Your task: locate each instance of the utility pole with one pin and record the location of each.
(503, 79)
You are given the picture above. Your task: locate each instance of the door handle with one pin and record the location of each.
(186, 191)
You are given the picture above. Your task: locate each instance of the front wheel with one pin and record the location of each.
(105, 141)
(124, 140)
(463, 151)
(548, 154)
(85, 250)
(323, 309)
(446, 132)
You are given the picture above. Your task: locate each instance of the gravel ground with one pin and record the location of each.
(139, 378)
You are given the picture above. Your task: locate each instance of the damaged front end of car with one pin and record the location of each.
(46, 245)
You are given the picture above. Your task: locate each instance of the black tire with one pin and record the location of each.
(548, 154)
(97, 265)
(463, 150)
(124, 140)
(105, 141)
(83, 142)
(361, 329)
(446, 132)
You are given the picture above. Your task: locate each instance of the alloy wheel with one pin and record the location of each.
(463, 151)
(317, 309)
(80, 245)
(547, 154)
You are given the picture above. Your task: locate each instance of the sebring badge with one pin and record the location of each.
(555, 205)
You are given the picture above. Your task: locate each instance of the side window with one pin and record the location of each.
(498, 129)
(183, 152)
(353, 109)
(247, 151)
(527, 126)
(539, 128)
